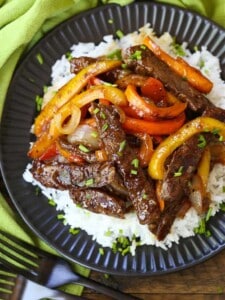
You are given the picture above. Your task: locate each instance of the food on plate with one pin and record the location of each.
(130, 140)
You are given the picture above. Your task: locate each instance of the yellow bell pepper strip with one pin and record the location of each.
(72, 111)
(164, 127)
(191, 74)
(56, 129)
(168, 145)
(73, 87)
(148, 110)
(204, 168)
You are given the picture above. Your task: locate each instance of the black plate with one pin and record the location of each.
(18, 116)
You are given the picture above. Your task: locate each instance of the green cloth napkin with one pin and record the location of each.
(22, 24)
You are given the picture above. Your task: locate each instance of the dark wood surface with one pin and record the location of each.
(203, 281)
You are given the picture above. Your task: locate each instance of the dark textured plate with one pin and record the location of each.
(18, 116)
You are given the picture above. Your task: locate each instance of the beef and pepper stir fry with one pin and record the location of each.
(136, 133)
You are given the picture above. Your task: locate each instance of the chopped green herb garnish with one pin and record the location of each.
(201, 141)
(179, 172)
(134, 172)
(208, 215)
(119, 33)
(69, 56)
(110, 21)
(102, 115)
(105, 127)
(89, 182)
(201, 63)
(74, 231)
(106, 276)
(60, 217)
(136, 55)
(39, 101)
(178, 49)
(124, 66)
(144, 196)
(108, 233)
(83, 148)
(45, 88)
(40, 58)
(51, 202)
(195, 48)
(143, 47)
(122, 146)
(37, 191)
(223, 189)
(135, 162)
(115, 54)
(101, 251)
(94, 134)
(96, 110)
(215, 131)
(221, 138)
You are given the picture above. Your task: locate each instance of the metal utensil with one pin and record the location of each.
(44, 268)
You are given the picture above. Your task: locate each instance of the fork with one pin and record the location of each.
(45, 268)
(13, 286)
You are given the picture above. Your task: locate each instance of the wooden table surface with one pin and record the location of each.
(203, 281)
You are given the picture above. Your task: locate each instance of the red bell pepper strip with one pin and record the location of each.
(150, 111)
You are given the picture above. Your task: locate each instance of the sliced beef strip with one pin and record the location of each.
(79, 63)
(73, 148)
(141, 190)
(151, 65)
(64, 176)
(176, 187)
(99, 201)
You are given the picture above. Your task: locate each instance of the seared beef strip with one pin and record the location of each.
(75, 150)
(79, 63)
(176, 183)
(98, 201)
(65, 176)
(150, 65)
(140, 188)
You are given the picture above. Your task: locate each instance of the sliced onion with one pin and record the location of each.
(85, 135)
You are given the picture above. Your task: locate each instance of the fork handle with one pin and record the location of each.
(98, 287)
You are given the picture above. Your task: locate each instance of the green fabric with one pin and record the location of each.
(22, 24)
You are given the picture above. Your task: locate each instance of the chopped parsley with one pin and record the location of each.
(134, 172)
(201, 141)
(202, 228)
(110, 21)
(96, 110)
(179, 172)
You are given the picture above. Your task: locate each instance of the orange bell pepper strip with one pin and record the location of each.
(73, 87)
(181, 67)
(154, 90)
(165, 149)
(163, 127)
(150, 111)
(158, 195)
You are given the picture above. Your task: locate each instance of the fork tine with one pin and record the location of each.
(19, 259)
(26, 245)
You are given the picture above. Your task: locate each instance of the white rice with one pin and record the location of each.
(105, 229)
